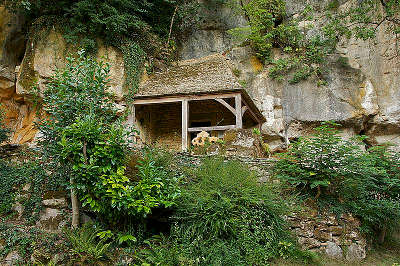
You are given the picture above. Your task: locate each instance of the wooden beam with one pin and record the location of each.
(185, 124)
(244, 109)
(238, 106)
(230, 108)
(215, 128)
(256, 119)
(180, 98)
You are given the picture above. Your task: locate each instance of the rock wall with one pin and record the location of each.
(362, 95)
(324, 233)
(19, 113)
(30, 60)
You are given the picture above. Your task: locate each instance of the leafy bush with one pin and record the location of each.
(86, 140)
(225, 217)
(115, 22)
(78, 90)
(29, 242)
(99, 172)
(339, 174)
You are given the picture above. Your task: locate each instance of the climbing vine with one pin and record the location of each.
(134, 58)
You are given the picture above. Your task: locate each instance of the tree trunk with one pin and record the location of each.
(170, 26)
(382, 235)
(74, 196)
(318, 193)
(75, 206)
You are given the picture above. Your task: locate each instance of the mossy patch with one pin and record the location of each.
(230, 136)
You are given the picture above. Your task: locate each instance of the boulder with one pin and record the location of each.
(332, 250)
(355, 252)
(243, 142)
(58, 203)
(50, 219)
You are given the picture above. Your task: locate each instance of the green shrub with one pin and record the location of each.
(340, 175)
(29, 241)
(87, 245)
(225, 217)
(99, 173)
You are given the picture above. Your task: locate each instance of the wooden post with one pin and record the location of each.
(238, 107)
(185, 124)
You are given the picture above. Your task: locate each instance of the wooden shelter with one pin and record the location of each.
(190, 97)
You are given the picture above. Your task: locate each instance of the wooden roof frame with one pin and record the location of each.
(243, 103)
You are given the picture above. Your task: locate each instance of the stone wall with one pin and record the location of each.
(324, 233)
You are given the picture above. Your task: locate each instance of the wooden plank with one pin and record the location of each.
(180, 98)
(185, 124)
(132, 122)
(238, 106)
(244, 109)
(214, 128)
(230, 108)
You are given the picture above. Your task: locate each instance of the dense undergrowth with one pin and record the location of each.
(340, 175)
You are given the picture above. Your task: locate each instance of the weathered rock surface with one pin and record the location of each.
(48, 51)
(211, 35)
(13, 258)
(19, 115)
(333, 250)
(43, 54)
(362, 95)
(337, 238)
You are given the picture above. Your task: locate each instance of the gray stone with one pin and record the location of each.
(355, 252)
(58, 258)
(211, 34)
(50, 219)
(19, 208)
(55, 203)
(333, 250)
(12, 258)
(309, 243)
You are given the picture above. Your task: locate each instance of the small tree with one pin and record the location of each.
(85, 141)
(78, 90)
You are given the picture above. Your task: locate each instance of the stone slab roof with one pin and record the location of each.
(208, 74)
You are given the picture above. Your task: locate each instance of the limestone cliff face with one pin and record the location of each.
(26, 61)
(19, 114)
(363, 95)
